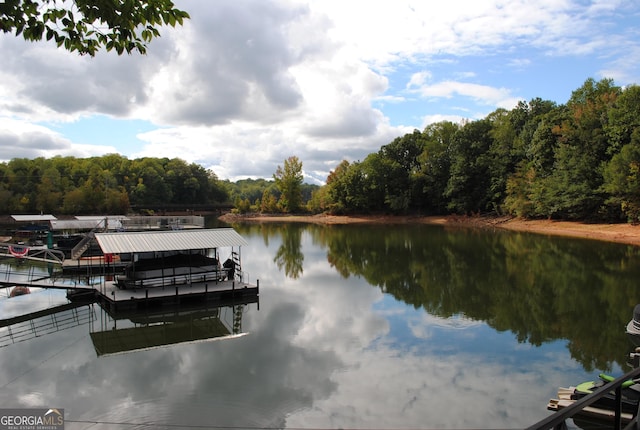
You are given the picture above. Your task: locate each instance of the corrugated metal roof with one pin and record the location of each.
(84, 224)
(27, 218)
(168, 240)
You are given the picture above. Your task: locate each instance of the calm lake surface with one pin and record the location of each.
(368, 327)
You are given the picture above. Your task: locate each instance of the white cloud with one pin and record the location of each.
(231, 62)
(484, 94)
(419, 79)
(240, 150)
(520, 63)
(22, 139)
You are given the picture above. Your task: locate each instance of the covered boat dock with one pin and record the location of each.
(173, 267)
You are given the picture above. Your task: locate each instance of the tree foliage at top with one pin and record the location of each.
(87, 26)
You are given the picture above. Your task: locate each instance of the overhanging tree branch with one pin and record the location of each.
(87, 26)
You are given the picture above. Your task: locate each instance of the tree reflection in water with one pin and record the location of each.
(540, 288)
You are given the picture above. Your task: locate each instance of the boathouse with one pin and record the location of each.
(173, 267)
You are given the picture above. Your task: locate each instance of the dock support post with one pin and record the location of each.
(146, 294)
(258, 287)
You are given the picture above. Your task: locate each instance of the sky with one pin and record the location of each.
(244, 85)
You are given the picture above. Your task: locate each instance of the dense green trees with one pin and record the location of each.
(107, 184)
(468, 185)
(286, 193)
(580, 160)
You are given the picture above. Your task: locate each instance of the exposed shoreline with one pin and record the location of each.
(617, 233)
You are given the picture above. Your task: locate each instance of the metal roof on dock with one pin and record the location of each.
(33, 218)
(84, 224)
(170, 240)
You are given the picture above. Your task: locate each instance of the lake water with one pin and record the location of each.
(368, 327)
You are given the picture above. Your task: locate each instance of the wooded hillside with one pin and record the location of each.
(579, 160)
(107, 184)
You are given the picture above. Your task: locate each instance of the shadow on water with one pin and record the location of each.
(540, 288)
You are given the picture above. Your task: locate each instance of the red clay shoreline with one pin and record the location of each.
(618, 233)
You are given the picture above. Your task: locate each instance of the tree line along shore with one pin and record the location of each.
(577, 161)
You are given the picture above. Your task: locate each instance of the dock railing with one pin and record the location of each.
(558, 419)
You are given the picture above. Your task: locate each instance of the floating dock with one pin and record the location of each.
(115, 299)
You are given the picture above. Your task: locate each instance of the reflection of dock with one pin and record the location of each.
(169, 325)
(44, 321)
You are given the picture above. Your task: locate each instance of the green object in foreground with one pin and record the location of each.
(589, 386)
